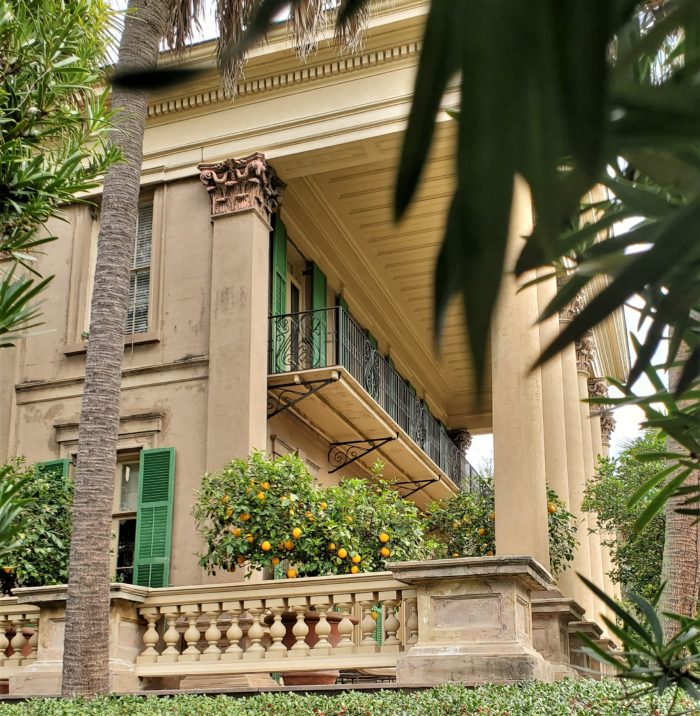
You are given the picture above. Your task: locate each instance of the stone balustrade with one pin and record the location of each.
(300, 625)
(470, 620)
(19, 633)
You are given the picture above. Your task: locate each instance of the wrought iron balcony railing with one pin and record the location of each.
(330, 337)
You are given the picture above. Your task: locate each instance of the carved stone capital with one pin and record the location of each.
(607, 425)
(237, 185)
(461, 437)
(597, 388)
(585, 353)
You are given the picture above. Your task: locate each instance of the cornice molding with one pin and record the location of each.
(284, 79)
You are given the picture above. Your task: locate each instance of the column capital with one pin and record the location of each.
(585, 353)
(461, 437)
(238, 185)
(574, 307)
(607, 425)
(597, 387)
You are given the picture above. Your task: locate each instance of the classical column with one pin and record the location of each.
(607, 426)
(556, 468)
(244, 193)
(519, 454)
(574, 458)
(598, 388)
(585, 353)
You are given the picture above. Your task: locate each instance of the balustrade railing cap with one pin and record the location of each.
(523, 567)
(555, 602)
(56, 594)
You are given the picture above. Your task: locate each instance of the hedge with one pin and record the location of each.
(604, 698)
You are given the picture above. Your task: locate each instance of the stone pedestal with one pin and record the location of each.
(474, 621)
(588, 666)
(43, 677)
(551, 615)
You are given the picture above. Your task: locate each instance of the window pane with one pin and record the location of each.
(126, 541)
(129, 487)
(144, 236)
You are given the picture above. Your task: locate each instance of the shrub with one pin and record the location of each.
(40, 556)
(564, 698)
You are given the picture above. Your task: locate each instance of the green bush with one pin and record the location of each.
(40, 556)
(589, 698)
(636, 556)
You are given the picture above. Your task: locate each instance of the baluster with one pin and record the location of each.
(323, 628)
(300, 630)
(150, 636)
(277, 630)
(234, 633)
(171, 637)
(4, 641)
(368, 645)
(18, 641)
(33, 639)
(191, 635)
(411, 620)
(256, 632)
(212, 634)
(391, 625)
(345, 627)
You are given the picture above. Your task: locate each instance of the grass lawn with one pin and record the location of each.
(604, 698)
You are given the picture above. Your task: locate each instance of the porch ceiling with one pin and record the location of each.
(341, 217)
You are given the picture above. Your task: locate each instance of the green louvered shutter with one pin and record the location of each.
(319, 327)
(278, 295)
(154, 517)
(60, 467)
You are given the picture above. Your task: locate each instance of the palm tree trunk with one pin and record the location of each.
(681, 561)
(86, 650)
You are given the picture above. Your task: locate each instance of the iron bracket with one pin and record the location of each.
(290, 394)
(342, 454)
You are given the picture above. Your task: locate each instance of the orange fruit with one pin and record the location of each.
(455, 554)
(373, 615)
(551, 508)
(489, 553)
(385, 552)
(481, 531)
(265, 486)
(245, 517)
(265, 546)
(384, 537)
(323, 505)
(356, 559)
(492, 517)
(291, 573)
(261, 496)
(249, 538)
(229, 511)
(289, 544)
(240, 559)
(342, 553)
(354, 569)
(275, 561)
(296, 532)
(225, 499)
(331, 546)
(236, 531)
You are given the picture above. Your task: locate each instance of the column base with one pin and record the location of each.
(472, 664)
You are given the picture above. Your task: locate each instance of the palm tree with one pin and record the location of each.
(147, 24)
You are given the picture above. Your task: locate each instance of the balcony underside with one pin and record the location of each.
(342, 412)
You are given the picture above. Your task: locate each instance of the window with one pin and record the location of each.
(124, 518)
(140, 280)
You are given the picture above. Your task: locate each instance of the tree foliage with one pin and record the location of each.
(636, 555)
(40, 554)
(53, 125)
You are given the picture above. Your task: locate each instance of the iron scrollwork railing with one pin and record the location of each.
(329, 337)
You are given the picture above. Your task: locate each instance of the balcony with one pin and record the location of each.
(309, 343)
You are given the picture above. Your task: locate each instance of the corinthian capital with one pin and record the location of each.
(597, 388)
(574, 307)
(585, 353)
(607, 425)
(237, 185)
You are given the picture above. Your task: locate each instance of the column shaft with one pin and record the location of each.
(519, 455)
